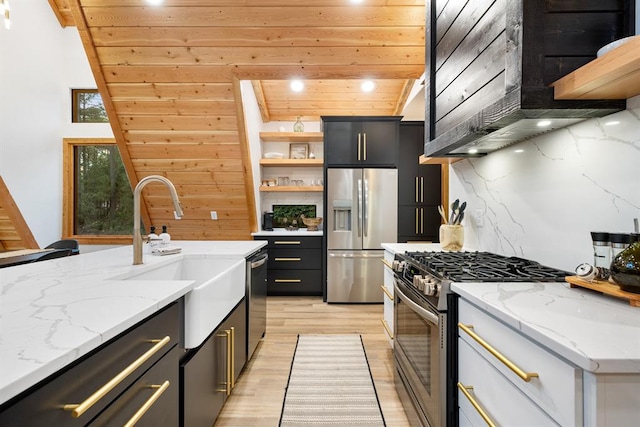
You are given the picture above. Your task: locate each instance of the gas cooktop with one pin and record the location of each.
(482, 267)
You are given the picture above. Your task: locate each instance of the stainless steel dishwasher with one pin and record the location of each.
(256, 294)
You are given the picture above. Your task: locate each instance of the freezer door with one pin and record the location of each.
(343, 211)
(380, 207)
(355, 276)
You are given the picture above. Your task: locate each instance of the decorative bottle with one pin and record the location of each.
(154, 239)
(166, 238)
(298, 126)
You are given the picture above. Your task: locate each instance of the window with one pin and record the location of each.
(98, 200)
(87, 107)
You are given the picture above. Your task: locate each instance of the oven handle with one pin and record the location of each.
(425, 314)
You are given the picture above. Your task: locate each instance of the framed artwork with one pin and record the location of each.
(298, 151)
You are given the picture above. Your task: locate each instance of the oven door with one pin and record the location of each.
(419, 351)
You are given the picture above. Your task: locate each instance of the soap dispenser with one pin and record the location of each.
(164, 236)
(154, 239)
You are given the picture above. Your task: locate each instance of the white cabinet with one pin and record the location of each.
(387, 289)
(548, 381)
(496, 397)
(518, 381)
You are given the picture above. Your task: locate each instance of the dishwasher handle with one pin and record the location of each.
(255, 263)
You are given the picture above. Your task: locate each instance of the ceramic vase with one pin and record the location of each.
(451, 237)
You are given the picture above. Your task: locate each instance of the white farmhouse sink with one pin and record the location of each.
(219, 286)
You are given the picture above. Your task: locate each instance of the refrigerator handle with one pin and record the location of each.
(359, 207)
(364, 207)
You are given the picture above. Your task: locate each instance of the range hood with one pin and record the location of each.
(490, 66)
(479, 135)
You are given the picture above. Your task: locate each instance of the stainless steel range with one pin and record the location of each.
(426, 314)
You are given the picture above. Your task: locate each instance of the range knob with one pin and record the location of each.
(432, 288)
(419, 282)
(398, 266)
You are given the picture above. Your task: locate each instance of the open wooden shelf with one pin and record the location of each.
(439, 160)
(291, 136)
(614, 75)
(292, 162)
(290, 188)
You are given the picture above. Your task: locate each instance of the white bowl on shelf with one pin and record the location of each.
(609, 47)
(273, 155)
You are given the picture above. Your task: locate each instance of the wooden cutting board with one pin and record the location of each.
(605, 287)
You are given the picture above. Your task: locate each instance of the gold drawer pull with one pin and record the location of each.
(387, 263)
(288, 259)
(148, 404)
(387, 328)
(227, 384)
(465, 390)
(78, 409)
(287, 280)
(232, 373)
(526, 376)
(285, 242)
(386, 292)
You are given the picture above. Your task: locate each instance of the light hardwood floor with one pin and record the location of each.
(257, 398)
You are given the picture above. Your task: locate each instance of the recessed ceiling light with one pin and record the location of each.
(155, 2)
(297, 85)
(544, 123)
(368, 86)
(612, 123)
(520, 150)
(357, 1)
(472, 150)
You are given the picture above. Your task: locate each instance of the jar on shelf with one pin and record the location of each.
(298, 126)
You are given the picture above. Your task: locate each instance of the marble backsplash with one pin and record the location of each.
(540, 198)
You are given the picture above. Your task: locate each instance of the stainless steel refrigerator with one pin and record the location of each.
(361, 214)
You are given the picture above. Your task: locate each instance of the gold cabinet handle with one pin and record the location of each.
(364, 143)
(148, 404)
(416, 215)
(387, 263)
(421, 189)
(465, 390)
(386, 292)
(287, 280)
(387, 328)
(288, 259)
(417, 189)
(421, 220)
(525, 376)
(78, 409)
(286, 242)
(359, 137)
(233, 357)
(227, 335)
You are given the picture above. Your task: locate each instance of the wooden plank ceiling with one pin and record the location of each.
(169, 76)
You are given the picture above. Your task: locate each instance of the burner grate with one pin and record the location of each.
(484, 267)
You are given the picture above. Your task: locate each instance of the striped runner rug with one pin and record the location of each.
(330, 384)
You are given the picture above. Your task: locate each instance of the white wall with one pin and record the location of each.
(40, 62)
(542, 203)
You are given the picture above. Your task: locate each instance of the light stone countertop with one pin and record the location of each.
(411, 247)
(596, 332)
(53, 312)
(285, 232)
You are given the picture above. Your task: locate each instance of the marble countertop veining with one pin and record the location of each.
(403, 247)
(596, 332)
(53, 312)
(284, 232)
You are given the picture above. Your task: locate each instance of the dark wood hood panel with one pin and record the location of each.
(491, 62)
